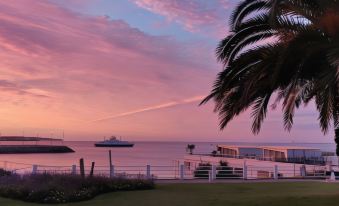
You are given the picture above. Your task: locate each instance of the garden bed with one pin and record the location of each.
(56, 188)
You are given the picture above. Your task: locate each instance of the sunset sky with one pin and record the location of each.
(133, 68)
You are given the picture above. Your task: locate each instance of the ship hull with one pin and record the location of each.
(113, 145)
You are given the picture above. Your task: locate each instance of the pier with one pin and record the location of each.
(30, 145)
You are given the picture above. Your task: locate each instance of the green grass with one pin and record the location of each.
(233, 194)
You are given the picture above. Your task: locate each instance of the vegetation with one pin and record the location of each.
(223, 171)
(283, 48)
(47, 188)
(226, 172)
(238, 194)
(4, 173)
(214, 153)
(190, 148)
(203, 170)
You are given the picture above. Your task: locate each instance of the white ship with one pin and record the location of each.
(114, 142)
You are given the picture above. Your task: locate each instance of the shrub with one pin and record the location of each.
(47, 188)
(202, 171)
(223, 163)
(4, 172)
(224, 171)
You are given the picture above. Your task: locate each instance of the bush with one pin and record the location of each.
(47, 188)
(202, 171)
(4, 172)
(224, 171)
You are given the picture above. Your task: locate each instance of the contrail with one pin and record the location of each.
(151, 108)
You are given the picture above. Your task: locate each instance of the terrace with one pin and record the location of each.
(300, 155)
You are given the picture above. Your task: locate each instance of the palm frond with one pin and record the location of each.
(226, 47)
(244, 9)
(259, 112)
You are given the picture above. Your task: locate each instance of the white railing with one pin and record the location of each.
(179, 172)
(298, 160)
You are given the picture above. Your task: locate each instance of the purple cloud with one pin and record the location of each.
(194, 15)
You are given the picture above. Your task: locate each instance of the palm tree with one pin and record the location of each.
(190, 148)
(282, 49)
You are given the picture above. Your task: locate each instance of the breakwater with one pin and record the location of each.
(25, 138)
(26, 149)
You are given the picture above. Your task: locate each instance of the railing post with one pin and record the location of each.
(82, 168)
(332, 176)
(148, 171)
(303, 171)
(210, 176)
(275, 173)
(5, 165)
(35, 169)
(111, 168)
(92, 169)
(214, 172)
(244, 171)
(74, 169)
(111, 174)
(182, 172)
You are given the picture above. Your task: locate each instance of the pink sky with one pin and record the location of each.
(85, 68)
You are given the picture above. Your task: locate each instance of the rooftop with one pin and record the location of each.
(237, 146)
(288, 147)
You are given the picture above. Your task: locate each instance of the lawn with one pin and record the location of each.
(233, 194)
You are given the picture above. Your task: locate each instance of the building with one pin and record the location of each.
(290, 153)
(258, 162)
(272, 153)
(239, 151)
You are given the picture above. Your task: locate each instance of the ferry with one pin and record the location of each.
(114, 142)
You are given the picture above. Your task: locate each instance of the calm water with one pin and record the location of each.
(143, 153)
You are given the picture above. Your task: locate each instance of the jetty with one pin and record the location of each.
(24, 149)
(24, 138)
(31, 145)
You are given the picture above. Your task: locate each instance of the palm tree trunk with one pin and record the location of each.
(336, 139)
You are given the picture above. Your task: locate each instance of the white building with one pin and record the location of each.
(273, 153)
(239, 151)
(264, 161)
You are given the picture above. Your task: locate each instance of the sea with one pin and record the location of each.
(142, 154)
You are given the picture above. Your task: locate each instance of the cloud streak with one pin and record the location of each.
(10, 87)
(194, 15)
(151, 108)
